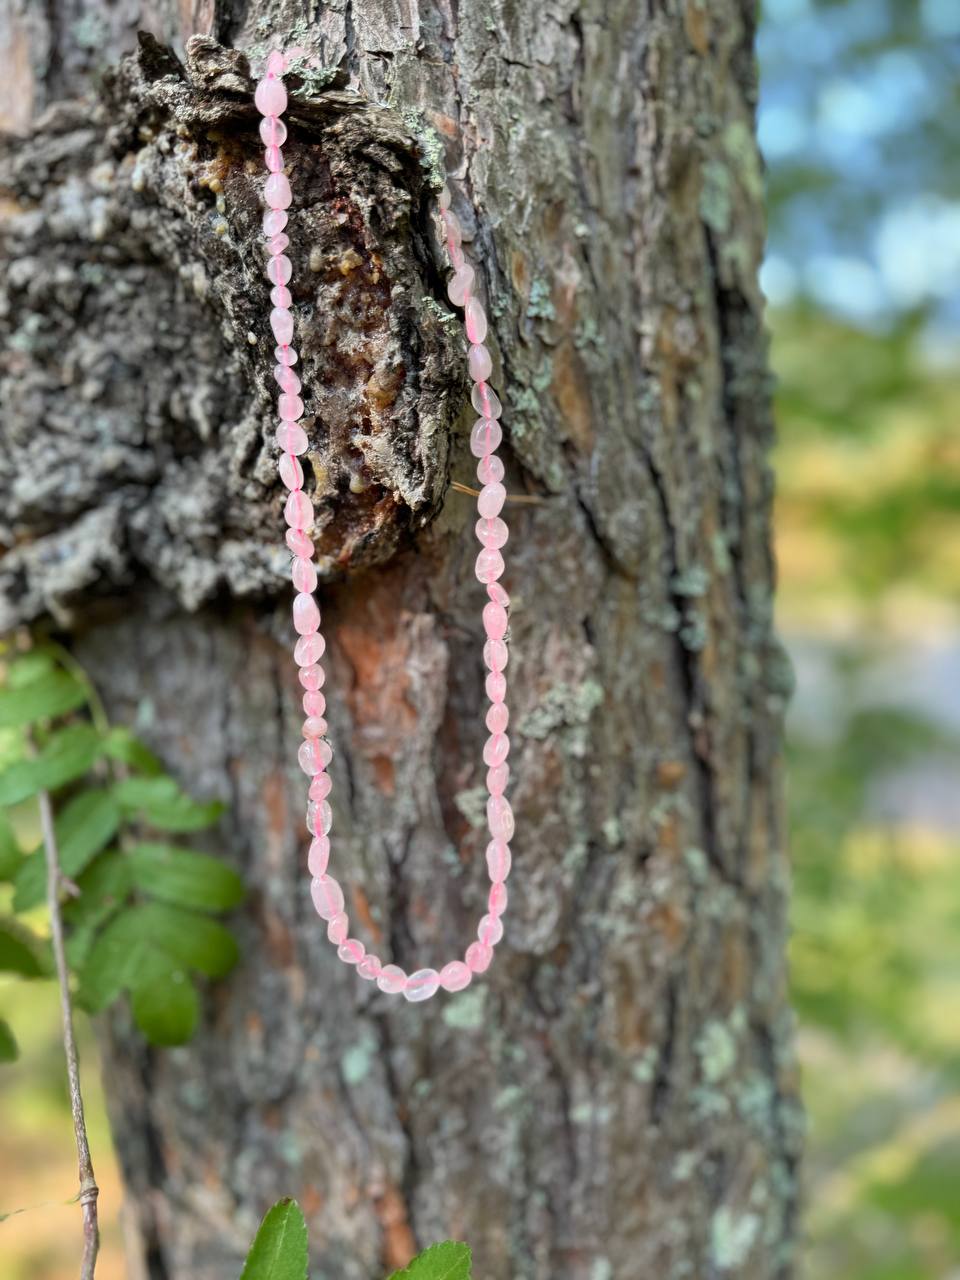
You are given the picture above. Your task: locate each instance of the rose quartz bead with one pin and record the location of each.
(318, 855)
(497, 594)
(280, 296)
(492, 533)
(286, 379)
(498, 860)
(298, 542)
(306, 615)
(491, 500)
(484, 400)
(289, 407)
(455, 976)
(311, 678)
(314, 704)
(319, 817)
(271, 97)
(309, 649)
(351, 951)
(304, 575)
(478, 957)
(281, 322)
(273, 159)
(370, 967)
(460, 284)
(500, 818)
(327, 896)
(490, 930)
(274, 220)
(455, 254)
(320, 785)
(499, 775)
(451, 225)
(291, 472)
(496, 686)
(485, 437)
(314, 727)
(421, 985)
(498, 717)
(475, 320)
(276, 63)
(489, 565)
(279, 269)
(490, 469)
(273, 133)
(285, 355)
(479, 363)
(497, 900)
(392, 979)
(496, 655)
(275, 247)
(276, 191)
(496, 749)
(338, 927)
(494, 619)
(298, 510)
(314, 756)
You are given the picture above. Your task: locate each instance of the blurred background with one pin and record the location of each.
(860, 128)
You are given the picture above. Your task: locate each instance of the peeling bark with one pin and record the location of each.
(618, 1098)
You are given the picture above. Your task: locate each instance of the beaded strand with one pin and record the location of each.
(315, 753)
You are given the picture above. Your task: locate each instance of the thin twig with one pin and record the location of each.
(88, 1185)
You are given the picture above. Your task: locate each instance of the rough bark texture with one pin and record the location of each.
(617, 1100)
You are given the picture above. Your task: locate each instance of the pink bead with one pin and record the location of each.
(276, 63)
(494, 620)
(489, 565)
(490, 469)
(319, 814)
(327, 896)
(318, 856)
(285, 355)
(281, 322)
(497, 594)
(304, 575)
(500, 818)
(306, 615)
(485, 437)
(455, 976)
(273, 133)
(313, 757)
(274, 220)
(271, 97)
(276, 191)
(392, 979)
(309, 649)
(314, 727)
(370, 967)
(496, 749)
(338, 928)
(311, 678)
(496, 655)
(451, 225)
(497, 900)
(498, 860)
(280, 296)
(275, 247)
(479, 362)
(499, 775)
(298, 542)
(492, 533)
(484, 400)
(455, 254)
(286, 379)
(475, 320)
(351, 951)
(491, 500)
(320, 783)
(273, 159)
(490, 930)
(498, 717)
(460, 284)
(496, 686)
(291, 472)
(298, 510)
(421, 985)
(279, 269)
(478, 957)
(289, 407)
(292, 438)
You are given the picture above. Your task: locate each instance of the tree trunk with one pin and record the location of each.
(616, 1098)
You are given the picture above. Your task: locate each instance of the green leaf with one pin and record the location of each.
(447, 1261)
(8, 1044)
(120, 744)
(51, 693)
(85, 825)
(195, 941)
(186, 878)
(31, 666)
(21, 951)
(10, 855)
(162, 804)
(279, 1249)
(166, 1008)
(103, 887)
(68, 755)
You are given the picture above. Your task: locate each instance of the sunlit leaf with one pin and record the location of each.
(279, 1249)
(66, 756)
(52, 693)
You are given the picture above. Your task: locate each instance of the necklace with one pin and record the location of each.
(315, 753)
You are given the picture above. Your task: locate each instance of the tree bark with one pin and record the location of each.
(617, 1097)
